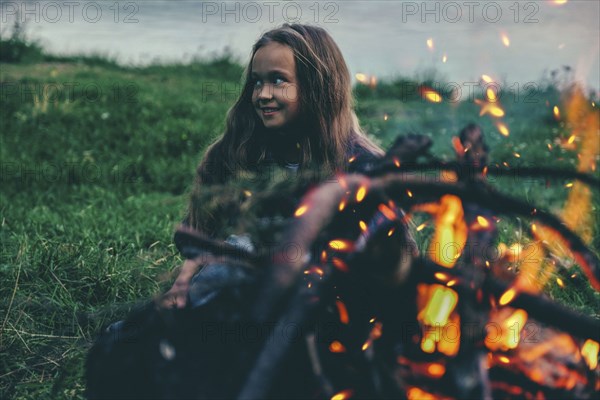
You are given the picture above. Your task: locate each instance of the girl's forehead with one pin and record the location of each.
(273, 56)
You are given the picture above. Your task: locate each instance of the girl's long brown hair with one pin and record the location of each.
(330, 127)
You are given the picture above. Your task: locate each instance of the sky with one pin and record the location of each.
(515, 42)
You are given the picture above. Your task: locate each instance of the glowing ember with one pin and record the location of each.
(387, 212)
(589, 351)
(420, 227)
(556, 112)
(314, 270)
(505, 40)
(430, 95)
(409, 193)
(441, 276)
(323, 256)
(491, 95)
(362, 78)
(436, 370)
(343, 312)
(366, 345)
(487, 78)
(396, 162)
(373, 82)
(337, 347)
(430, 43)
(376, 331)
(341, 245)
(517, 155)
(351, 159)
(360, 194)
(247, 193)
(339, 264)
(457, 144)
(342, 205)
(507, 297)
(482, 221)
(444, 58)
(503, 359)
(385, 117)
(489, 108)
(560, 282)
(343, 395)
(414, 393)
(300, 211)
(391, 232)
(560, 2)
(362, 225)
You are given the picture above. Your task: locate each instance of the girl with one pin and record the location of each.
(295, 111)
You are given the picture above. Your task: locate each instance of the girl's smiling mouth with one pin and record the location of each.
(267, 111)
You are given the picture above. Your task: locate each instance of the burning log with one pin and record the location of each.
(378, 318)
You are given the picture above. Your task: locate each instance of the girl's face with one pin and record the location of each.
(276, 95)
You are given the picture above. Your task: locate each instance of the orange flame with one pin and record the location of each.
(506, 334)
(451, 232)
(585, 125)
(441, 303)
(589, 351)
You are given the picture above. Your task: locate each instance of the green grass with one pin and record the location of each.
(97, 159)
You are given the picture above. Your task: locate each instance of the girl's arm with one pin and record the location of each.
(178, 294)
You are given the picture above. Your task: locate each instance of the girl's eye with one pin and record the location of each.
(278, 81)
(257, 83)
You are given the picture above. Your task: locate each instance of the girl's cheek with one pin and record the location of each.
(291, 94)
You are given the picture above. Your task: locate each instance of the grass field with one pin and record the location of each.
(96, 162)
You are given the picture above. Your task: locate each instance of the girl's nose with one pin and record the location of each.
(265, 93)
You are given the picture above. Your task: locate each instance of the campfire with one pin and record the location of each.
(457, 315)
